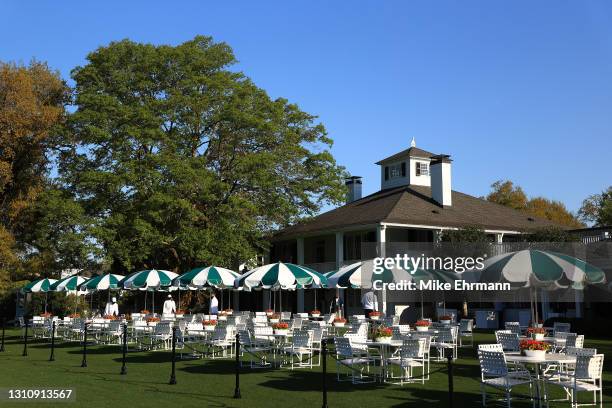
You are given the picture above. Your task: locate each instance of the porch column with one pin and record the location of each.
(381, 238)
(437, 236)
(499, 238)
(300, 261)
(339, 261)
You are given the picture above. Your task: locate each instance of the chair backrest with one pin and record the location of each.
(445, 335)
(163, 328)
(317, 334)
(412, 348)
(301, 338)
(570, 340)
(589, 367)
(329, 318)
(425, 336)
(397, 333)
(579, 341)
(514, 327)
(263, 331)
(576, 351)
(260, 313)
(194, 326)
(492, 363)
(466, 325)
(285, 315)
(491, 347)
(509, 341)
(343, 347)
(296, 323)
(391, 320)
(114, 325)
(561, 327)
(245, 337)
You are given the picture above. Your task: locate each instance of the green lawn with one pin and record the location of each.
(207, 383)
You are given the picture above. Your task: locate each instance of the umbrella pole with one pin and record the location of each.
(45, 302)
(145, 308)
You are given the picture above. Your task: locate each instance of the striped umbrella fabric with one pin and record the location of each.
(360, 275)
(280, 275)
(40, 285)
(70, 283)
(211, 276)
(103, 282)
(532, 267)
(150, 279)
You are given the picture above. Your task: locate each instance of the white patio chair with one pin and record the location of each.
(222, 341)
(355, 358)
(256, 350)
(560, 327)
(587, 377)
(494, 373)
(508, 340)
(446, 339)
(514, 327)
(428, 341)
(300, 347)
(466, 330)
(410, 355)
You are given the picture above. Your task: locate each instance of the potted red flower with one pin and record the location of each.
(534, 348)
(339, 321)
(269, 312)
(383, 334)
(537, 333)
(315, 313)
(446, 319)
(209, 325)
(375, 315)
(281, 328)
(144, 312)
(153, 319)
(274, 318)
(422, 325)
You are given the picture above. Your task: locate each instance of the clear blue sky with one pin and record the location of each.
(512, 90)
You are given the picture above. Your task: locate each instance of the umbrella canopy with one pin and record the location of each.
(356, 276)
(211, 276)
(70, 283)
(40, 285)
(151, 279)
(532, 267)
(103, 282)
(280, 275)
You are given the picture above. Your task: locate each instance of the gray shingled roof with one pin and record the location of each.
(414, 205)
(413, 151)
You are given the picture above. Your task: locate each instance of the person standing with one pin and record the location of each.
(169, 306)
(337, 305)
(112, 308)
(369, 302)
(214, 305)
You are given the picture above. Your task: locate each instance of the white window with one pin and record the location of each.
(395, 171)
(422, 169)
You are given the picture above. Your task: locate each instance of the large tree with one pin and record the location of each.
(597, 208)
(505, 192)
(180, 159)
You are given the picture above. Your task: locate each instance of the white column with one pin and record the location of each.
(300, 261)
(499, 237)
(339, 262)
(381, 238)
(579, 298)
(437, 236)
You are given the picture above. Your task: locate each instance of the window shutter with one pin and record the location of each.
(403, 169)
(386, 172)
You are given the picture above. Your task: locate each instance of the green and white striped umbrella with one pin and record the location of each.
(40, 285)
(103, 282)
(211, 276)
(360, 275)
(532, 267)
(70, 283)
(151, 279)
(280, 275)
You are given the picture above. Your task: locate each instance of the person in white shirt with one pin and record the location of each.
(112, 308)
(169, 306)
(214, 305)
(369, 301)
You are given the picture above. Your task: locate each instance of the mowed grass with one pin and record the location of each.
(210, 383)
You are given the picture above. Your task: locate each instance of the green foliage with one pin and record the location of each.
(469, 234)
(550, 234)
(597, 208)
(178, 159)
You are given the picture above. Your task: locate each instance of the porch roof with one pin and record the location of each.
(413, 205)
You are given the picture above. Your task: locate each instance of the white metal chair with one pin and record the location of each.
(410, 355)
(355, 358)
(256, 350)
(514, 327)
(300, 347)
(560, 327)
(494, 373)
(508, 340)
(587, 377)
(446, 339)
(466, 330)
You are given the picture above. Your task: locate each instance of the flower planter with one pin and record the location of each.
(375, 318)
(539, 325)
(383, 339)
(338, 324)
(538, 336)
(221, 317)
(210, 327)
(315, 314)
(274, 320)
(422, 328)
(446, 322)
(539, 354)
(281, 332)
